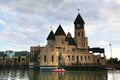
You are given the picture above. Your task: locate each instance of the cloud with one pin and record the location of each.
(90, 29)
(2, 22)
(112, 1)
(28, 22)
(111, 22)
(103, 43)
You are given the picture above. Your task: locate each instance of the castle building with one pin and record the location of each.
(64, 50)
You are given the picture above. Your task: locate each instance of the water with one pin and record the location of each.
(11, 74)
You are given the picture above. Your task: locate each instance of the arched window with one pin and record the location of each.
(68, 57)
(85, 58)
(44, 58)
(82, 33)
(78, 33)
(52, 58)
(77, 59)
(81, 58)
(89, 58)
(72, 58)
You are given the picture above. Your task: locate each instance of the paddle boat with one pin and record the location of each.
(59, 70)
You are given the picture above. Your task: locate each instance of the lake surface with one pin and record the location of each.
(11, 74)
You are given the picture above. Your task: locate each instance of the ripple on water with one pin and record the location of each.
(37, 75)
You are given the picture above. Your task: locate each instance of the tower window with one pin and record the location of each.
(82, 33)
(85, 58)
(78, 33)
(73, 58)
(83, 44)
(68, 57)
(52, 49)
(73, 50)
(52, 58)
(81, 58)
(77, 59)
(68, 50)
(44, 58)
(62, 41)
(89, 58)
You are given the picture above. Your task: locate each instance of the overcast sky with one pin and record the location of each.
(25, 23)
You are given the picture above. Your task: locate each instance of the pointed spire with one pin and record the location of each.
(79, 19)
(70, 39)
(69, 35)
(59, 31)
(51, 36)
(78, 10)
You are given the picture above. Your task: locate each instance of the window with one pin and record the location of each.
(68, 57)
(52, 49)
(85, 58)
(62, 41)
(98, 61)
(78, 33)
(15, 60)
(63, 49)
(52, 58)
(44, 58)
(23, 60)
(77, 59)
(48, 43)
(83, 44)
(35, 56)
(73, 50)
(72, 58)
(81, 58)
(68, 50)
(82, 33)
(89, 58)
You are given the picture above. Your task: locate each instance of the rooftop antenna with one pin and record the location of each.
(50, 27)
(78, 10)
(111, 52)
(59, 22)
(68, 29)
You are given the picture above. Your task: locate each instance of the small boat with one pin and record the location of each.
(47, 68)
(59, 70)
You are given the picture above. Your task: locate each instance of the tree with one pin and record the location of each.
(113, 61)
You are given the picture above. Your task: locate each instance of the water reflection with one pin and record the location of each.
(113, 75)
(12, 74)
(68, 76)
(86, 76)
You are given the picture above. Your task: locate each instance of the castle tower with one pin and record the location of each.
(50, 39)
(60, 37)
(80, 38)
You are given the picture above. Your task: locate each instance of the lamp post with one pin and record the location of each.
(111, 52)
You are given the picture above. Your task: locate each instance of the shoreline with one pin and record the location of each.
(68, 68)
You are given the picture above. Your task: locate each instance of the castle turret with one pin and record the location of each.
(60, 37)
(51, 38)
(70, 39)
(80, 38)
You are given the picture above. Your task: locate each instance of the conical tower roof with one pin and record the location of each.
(60, 31)
(79, 20)
(51, 36)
